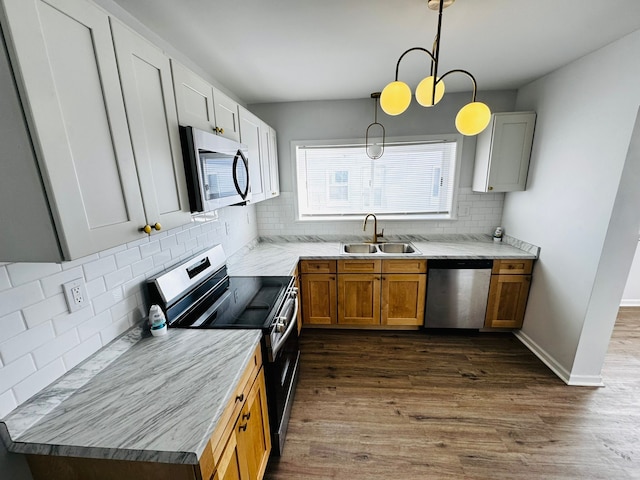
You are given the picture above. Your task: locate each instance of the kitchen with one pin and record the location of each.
(590, 234)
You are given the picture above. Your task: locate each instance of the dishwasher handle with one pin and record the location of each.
(460, 263)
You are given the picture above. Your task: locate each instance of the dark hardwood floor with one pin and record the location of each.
(414, 405)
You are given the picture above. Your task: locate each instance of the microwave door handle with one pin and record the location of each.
(292, 324)
(239, 156)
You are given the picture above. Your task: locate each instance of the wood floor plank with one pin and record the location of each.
(419, 405)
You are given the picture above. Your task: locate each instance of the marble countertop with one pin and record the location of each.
(279, 256)
(142, 398)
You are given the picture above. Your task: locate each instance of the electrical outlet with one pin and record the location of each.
(75, 292)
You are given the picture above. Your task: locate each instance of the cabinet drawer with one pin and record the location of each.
(211, 455)
(317, 266)
(404, 266)
(359, 266)
(512, 267)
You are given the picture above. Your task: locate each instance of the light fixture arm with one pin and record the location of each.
(411, 50)
(457, 70)
(375, 154)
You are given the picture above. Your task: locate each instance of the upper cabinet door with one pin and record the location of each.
(503, 152)
(145, 75)
(226, 116)
(272, 177)
(250, 127)
(64, 61)
(194, 99)
(202, 106)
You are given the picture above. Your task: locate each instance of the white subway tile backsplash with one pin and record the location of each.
(40, 340)
(56, 348)
(16, 298)
(76, 355)
(26, 342)
(7, 403)
(52, 284)
(128, 257)
(11, 325)
(118, 277)
(16, 371)
(45, 310)
(21, 273)
(98, 268)
(37, 381)
(4, 278)
(66, 321)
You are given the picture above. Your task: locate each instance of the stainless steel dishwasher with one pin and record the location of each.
(457, 292)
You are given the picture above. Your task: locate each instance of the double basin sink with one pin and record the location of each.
(376, 248)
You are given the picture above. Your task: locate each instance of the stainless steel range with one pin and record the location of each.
(199, 293)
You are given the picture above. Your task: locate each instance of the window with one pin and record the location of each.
(412, 179)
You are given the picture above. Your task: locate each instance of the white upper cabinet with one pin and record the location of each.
(270, 167)
(63, 58)
(503, 151)
(250, 135)
(202, 106)
(145, 75)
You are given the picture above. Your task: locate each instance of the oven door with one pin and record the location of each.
(281, 380)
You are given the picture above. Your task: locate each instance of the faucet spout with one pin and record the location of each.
(374, 238)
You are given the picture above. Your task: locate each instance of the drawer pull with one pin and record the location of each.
(246, 416)
(240, 397)
(243, 427)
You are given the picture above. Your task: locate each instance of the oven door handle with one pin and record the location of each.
(276, 348)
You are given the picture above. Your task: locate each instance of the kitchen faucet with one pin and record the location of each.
(375, 227)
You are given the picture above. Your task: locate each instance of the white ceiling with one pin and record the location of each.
(290, 50)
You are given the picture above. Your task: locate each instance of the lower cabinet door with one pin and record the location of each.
(507, 301)
(319, 302)
(229, 467)
(358, 299)
(403, 298)
(252, 430)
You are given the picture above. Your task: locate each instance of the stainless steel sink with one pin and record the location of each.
(359, 248)
(376, 248)
(396, 248)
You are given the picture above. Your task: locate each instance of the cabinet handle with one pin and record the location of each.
(243, 427)
(219, 130)
(147, 228)
(490, 188)
(240, 397)
(246, 416)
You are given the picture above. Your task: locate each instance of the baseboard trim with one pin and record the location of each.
(630, 303)
(559, 370)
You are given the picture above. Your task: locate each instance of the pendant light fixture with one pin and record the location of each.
(472, 119)
(375, 136)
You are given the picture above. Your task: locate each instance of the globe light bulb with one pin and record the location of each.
(395, 98)
(424, 92)
(473, 118)
(374, 151)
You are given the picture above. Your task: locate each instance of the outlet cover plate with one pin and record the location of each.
(75, 292)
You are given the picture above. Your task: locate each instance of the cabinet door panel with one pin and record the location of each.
(194, 98)
(254, 438)
(507, 301)
(226, 111)
(229, 467)
(358, 299)
(65, 60)
(319, 299)
(250, 126)
(146, 82)
(403, 297)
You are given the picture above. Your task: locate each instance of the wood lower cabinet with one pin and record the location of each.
(319, 292)
(508, 293)
(363, 292)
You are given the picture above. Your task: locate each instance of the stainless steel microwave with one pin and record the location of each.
(217, 170)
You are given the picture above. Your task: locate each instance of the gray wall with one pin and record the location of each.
(348, 119)
(581, 206)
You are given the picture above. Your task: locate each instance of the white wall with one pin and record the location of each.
(577, 209)
(348, 119)
(631, 294)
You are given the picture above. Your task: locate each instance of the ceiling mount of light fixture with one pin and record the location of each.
(472, 119)
(374, 144)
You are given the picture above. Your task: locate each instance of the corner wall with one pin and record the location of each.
(580, 206)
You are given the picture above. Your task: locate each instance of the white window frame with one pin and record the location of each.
(452, 215)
